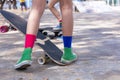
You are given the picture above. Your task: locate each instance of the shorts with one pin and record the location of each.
(23, 4)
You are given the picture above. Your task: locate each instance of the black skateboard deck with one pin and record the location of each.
(52, 51)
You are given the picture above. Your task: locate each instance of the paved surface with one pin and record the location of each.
(96, 41)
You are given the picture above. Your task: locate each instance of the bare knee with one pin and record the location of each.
(50, 6)
(66, 4)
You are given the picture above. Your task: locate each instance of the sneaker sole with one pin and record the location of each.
(23, 65)
(68, 62)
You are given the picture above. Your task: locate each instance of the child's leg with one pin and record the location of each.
(32, 29)
(51, 5)
(67, 18)
(25, 6)
(21, 7)
(35, 15)
(56, 13)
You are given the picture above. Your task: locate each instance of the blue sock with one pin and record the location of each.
(67, 40)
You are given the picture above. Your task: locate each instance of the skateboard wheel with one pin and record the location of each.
(48, 33)
(4, 29)
(45, 32)
(41, 60)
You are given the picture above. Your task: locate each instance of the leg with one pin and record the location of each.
(35, 15)
(51, 5)
(56, 13)
(67, 18)
(32, 29)
(25, 6)
(21, 6)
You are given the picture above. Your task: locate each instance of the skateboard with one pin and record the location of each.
(49, 32)
(51, 50)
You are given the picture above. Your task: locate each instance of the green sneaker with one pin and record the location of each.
(25, 61)
(68, 57)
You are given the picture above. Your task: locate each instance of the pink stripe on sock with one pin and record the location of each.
(30, 40)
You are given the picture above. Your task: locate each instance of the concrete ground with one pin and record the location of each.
(96, 41)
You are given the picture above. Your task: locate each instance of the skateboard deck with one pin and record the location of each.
(52, 51)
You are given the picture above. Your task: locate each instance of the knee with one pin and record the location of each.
(66, 7)
(50, 6)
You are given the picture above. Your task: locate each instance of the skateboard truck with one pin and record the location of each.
(53, 53)
(60, 34)
(48, 33)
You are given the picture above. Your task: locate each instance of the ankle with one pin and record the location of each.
(68, 54)
(27, 53)
(67, 50)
